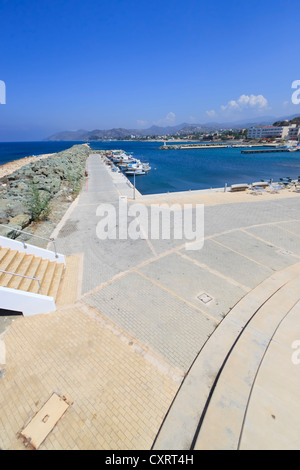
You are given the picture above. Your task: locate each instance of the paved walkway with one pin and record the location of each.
(120, 348)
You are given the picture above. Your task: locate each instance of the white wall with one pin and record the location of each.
(31, 250)
(25, 302)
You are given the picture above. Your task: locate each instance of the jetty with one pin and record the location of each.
(211, 145)
(270, 150)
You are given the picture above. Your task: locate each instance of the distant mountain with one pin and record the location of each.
(68, 136)
(115, 133)
(184, 128)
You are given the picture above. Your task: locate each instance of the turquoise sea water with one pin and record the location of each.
(10, 151)
(180, 170)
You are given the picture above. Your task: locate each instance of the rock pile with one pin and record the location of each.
(59, 175)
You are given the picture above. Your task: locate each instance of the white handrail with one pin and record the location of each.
(51, 240)
(25, 277)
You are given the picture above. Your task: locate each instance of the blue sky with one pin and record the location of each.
(101, 64)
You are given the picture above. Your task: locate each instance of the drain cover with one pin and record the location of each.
(205, 298)
(44, 421)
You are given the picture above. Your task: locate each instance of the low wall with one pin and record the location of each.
(31, 250)
(25, 302)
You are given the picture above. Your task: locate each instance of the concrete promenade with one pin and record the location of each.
(131, 336)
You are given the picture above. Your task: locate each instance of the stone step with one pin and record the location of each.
(48, 273)
(40, 274)
(186, 416)
(56, 280)
(47, 281)
(7, 259)
(13, 267)
(30, 273)
(15, 281)
(223, 421)
(3, 252)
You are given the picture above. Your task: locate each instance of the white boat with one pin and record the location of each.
(142, 167)
(123, 166)
(123, 163)
(135, 171)
(146, 167)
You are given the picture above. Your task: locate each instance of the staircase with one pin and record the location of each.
(49, 273)
(29, 277)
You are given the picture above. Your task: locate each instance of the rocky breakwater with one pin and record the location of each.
(28, 194)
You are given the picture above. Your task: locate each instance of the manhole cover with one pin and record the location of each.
(205, 298)
(44, 421)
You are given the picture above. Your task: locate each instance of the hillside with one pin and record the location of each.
(181, 129)
(296, 121)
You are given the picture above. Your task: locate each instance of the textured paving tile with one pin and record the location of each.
(163, 322)
(293, 227)
(230, 264)
(188, 280)
(278, 237)
(220, 219)
(119, 398)
(256, 250)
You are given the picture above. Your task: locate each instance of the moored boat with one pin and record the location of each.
(135, 171)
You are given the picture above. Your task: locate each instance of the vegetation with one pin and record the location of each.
(38, 204)
(287, 123)
(74, 178)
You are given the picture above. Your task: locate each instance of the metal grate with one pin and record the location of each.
(205, 298)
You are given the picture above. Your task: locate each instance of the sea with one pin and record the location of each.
(179, 170)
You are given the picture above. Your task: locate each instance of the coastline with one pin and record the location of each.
(8, 168)
(215, 197)
(55, 180)
(207, 196)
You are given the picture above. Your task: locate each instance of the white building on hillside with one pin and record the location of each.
(265, 132)
(294, 132)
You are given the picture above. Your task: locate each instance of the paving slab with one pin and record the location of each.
(163, 322)
(188, 280)
(231, 264)
(257, 250)
(278, 237)
(119, 396)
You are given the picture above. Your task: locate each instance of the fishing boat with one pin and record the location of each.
(138, 166)
(124, 162)
(146, 167)
(135, 171)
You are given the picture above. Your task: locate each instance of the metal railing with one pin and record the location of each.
(25, 277)
(49, 240)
